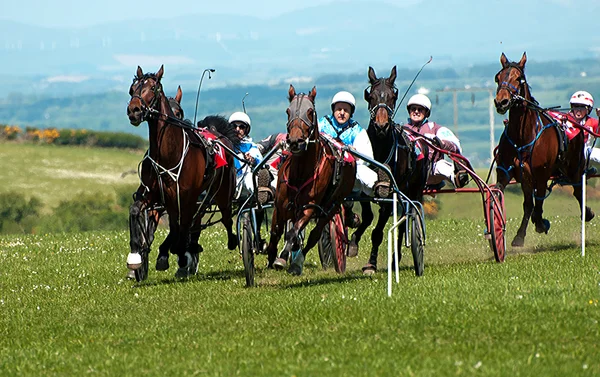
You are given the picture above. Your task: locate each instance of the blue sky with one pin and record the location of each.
(78, 13)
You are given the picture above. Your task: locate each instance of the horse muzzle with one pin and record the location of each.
(502, 106)
(136, 116)
(382, 131)
(297, 147)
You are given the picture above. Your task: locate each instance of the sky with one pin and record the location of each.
(79, 13)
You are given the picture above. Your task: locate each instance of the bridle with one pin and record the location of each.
(373, 109)
(516, 92)
(301, 112)
(147, 109)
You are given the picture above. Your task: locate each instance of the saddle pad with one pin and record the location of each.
(220, 159)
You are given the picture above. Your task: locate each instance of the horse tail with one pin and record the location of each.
(220, 126)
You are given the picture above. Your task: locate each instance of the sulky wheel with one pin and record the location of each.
(496, 226)
(417, 241)
(247, 250)
(326, 247)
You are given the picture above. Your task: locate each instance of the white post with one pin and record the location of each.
(397, 268)
(583, 194)
(492, 139)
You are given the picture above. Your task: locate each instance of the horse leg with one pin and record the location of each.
(141, 233)
(187, 259)
(277, 226)
(578, 194)
(367, 219)
(377, 238)
(541, 225)
(223, 202)
(298, 256)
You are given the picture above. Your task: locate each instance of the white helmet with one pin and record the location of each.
(582, 98)
(239, 116)
(420, 100)
(345, 97)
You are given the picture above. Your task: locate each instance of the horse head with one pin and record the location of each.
(175, 103)
(145, 93)
(302, 120)
(381, 96)
(511, 83)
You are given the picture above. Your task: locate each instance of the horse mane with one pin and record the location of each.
(147, 75)
(221, 127)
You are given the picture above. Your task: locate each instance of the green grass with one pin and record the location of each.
(56, 173)
(67, 310)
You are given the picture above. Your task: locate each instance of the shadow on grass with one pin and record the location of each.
(551, 248)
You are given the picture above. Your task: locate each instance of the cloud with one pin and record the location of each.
(309, 31)
(67, 78)
(152, 60)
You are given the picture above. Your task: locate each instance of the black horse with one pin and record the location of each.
(393, 147)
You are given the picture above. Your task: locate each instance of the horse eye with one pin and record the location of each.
(287, 112)
(130, 91)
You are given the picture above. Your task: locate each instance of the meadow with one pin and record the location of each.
(68, 310)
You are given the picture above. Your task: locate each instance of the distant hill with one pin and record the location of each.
(342, 36)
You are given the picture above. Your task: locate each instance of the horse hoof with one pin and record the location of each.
(279, 264)
(182, 273)
(543, 227)
(162, 263)
(232, 242)
(369, 269)
(297, 264)
(589, 214)
(518, 241)
(295, 270)
(134, 261)
(130, 275)
(352, 250)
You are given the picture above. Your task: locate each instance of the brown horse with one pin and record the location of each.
(530, 149)
(153, 211)
(180, 167)
(391, 146)
(308, 185)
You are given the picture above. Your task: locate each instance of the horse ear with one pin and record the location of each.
(139, 72)
(503, 61)
(372, 77)
(160, 72)
(523, 60)
(313, 93)
(393, 76)
(178, 95)
(291, 93)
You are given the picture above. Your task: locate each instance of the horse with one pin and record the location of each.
(179, 166)
(391, 146)
(530, 150)
(312, 181)
(155, 210)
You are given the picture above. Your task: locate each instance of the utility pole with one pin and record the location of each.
(492, 111)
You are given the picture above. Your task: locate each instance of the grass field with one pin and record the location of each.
(68, 310)
(54, 173)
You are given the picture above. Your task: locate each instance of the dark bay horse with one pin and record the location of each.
(180, 166)
(393, 147)
(312, 181)
(530, 149)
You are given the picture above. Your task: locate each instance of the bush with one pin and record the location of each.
(85, 213)
(17, 215)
